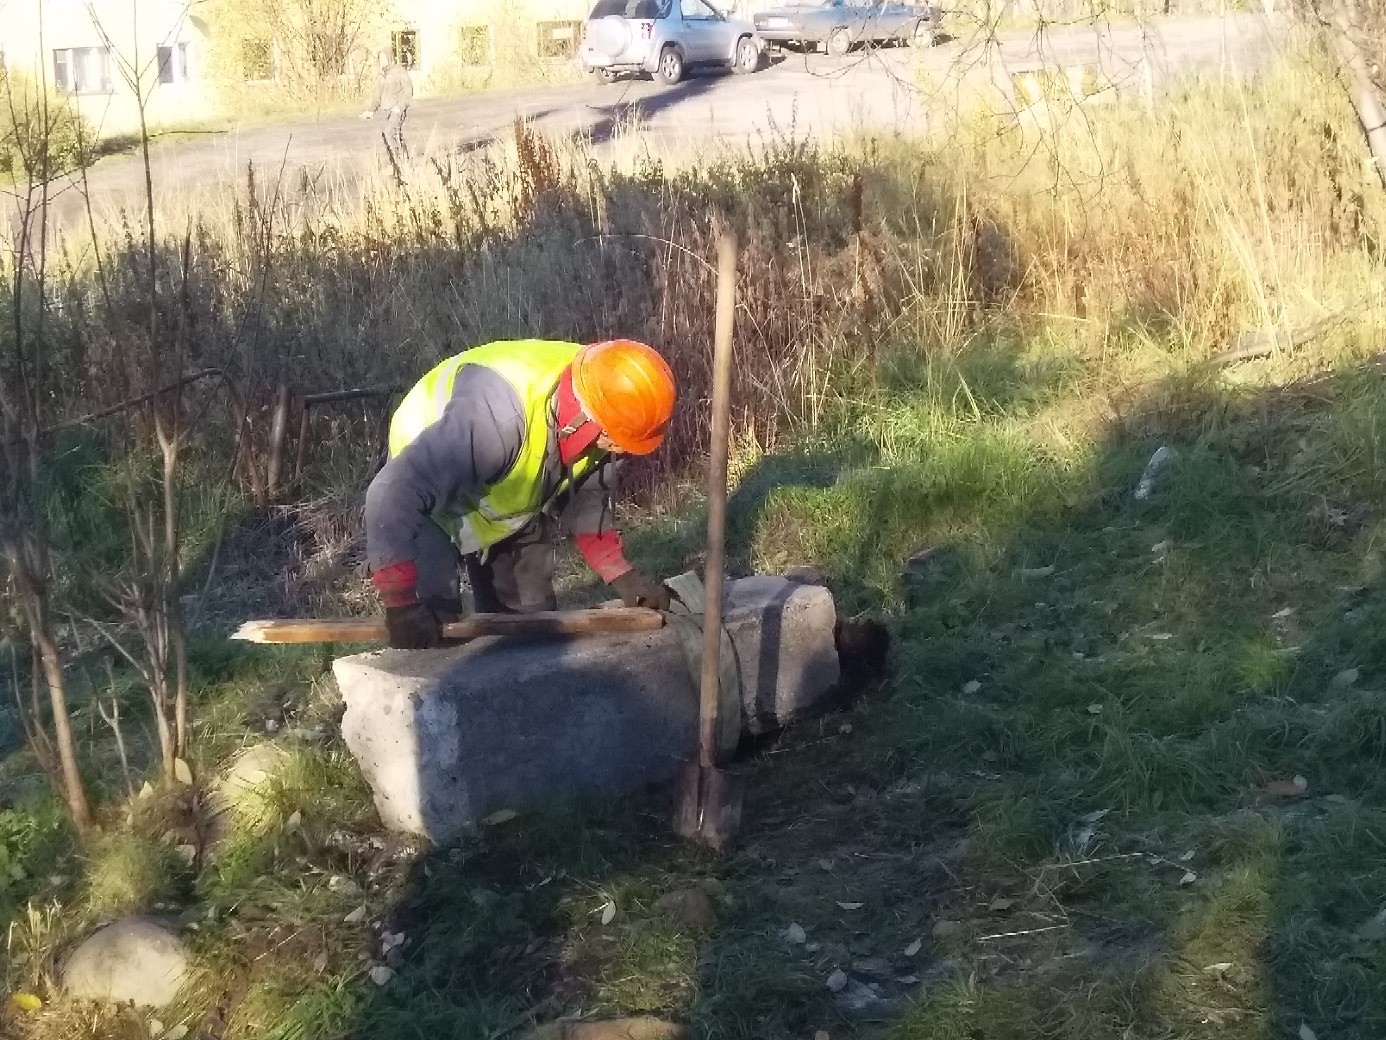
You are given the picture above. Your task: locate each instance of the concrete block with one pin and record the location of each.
(447, 737)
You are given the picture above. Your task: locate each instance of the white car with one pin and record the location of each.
(665, 38)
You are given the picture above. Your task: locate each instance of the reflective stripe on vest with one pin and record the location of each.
(533, 369)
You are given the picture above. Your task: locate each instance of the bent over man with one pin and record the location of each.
(491, 453)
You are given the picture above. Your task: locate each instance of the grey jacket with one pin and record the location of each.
(453, 462)
(394, 89)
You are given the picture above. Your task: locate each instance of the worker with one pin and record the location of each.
(492, 453)
(394, 92)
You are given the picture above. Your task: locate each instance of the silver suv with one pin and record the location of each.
(665, 38)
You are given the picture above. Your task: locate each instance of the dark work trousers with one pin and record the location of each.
(515, 578)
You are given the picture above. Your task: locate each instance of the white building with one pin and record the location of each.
(101, 53)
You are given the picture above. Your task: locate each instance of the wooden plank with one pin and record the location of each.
(604, 621)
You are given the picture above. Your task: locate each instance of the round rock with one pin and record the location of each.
(133, 960)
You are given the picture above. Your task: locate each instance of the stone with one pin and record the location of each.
(611, 1029)
(446, 738)
(132, 960)
(688, 906)
(241, 794)
(247, 775)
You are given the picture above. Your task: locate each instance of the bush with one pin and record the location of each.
(41, 136)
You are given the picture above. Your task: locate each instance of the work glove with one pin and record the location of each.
(638, 590)
(413, 627)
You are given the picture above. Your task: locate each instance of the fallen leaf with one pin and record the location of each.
(812, 947)
(845, 728)
(26, 1002)
(320, 963)
(178, 1032)
(1094, 709)
(1189, 878)
(156, 1028)
(1029, 573)
(1161, 547)
(907, 980)
(1093, 817)
(1301, 784)
(837, 981)
(999, 905)
(826, 864)
(913, 948)
(822, 1034)
(294, 822)
(146, 791)
(1345, 678)
(971, 686)
(795, 935)
(1218, 969)
(1305, 1033)
(944, 929)
(356, 916)
(498, 817)
(181, 772)
(1187, 856)
(381, 974)
(187, 853)
(850, 906)
(609, 912)
(1283, 613)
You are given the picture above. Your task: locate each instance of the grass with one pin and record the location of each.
(1071, 812)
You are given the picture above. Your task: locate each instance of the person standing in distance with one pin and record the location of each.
(394, 92)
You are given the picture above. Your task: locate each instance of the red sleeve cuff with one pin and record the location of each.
(396, 583)
(604, 554)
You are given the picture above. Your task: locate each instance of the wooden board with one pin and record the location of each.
(604, 621)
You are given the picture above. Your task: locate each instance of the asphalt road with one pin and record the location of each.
(892, 90)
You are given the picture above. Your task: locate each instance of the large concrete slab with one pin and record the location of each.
(447, 737)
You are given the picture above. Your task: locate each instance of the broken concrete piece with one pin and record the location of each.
(132, 960)
(448, 737)
(783, 634)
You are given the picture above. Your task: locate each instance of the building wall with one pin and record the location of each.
(96, 54)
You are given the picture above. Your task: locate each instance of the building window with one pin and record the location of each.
(404, 47)
(474, 45)
(82, 70)
(173, 63)
(559, 39)
(257, 60)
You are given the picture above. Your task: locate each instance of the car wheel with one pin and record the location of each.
(670, 70)
(924, 35)
(747, 57)
(839, 42)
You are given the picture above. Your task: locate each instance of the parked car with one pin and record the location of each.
(842, 24)
(665, 38)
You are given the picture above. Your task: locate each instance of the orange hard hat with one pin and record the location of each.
(627, 389)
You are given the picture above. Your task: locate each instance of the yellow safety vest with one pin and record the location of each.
(533, 368)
